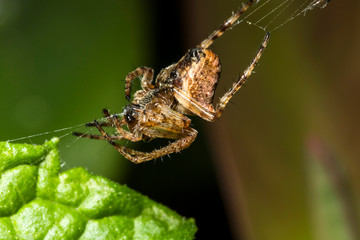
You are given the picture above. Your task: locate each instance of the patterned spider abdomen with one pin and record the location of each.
(198, 73)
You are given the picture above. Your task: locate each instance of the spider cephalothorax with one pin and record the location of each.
(185, 88)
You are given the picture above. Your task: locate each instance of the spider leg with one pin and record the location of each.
(112, 121)
(225, 26)
(242, 79)
(160, 122)
(146, 81)
(98, 137)
(177, 146)
(139, 157)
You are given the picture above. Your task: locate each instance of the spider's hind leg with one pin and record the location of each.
(242, 79)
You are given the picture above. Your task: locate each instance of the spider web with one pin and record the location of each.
(65, 132)
(268, 15)
(271, 15)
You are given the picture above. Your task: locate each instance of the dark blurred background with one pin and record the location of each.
(287, 146)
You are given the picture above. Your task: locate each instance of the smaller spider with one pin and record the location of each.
(184, 88)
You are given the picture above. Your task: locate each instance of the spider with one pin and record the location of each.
(159, 109)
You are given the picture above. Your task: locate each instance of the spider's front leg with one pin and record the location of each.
(146, 81)
(111, 121)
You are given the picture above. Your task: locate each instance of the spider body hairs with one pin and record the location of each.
(185, 88)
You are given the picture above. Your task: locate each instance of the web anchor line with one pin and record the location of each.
(280, 9)
(51, 132)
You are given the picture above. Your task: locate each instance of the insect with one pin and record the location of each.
(159, 109)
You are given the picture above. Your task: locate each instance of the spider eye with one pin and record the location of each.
(173, 74)
(194, 55)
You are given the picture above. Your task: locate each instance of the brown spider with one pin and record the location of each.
(183, 88)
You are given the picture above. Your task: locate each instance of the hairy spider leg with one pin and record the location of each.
(242, 79)
(97, 137)
(172, 126)
(225, 26)
(212, 114)
(146, 81)
(112, 120)
(139, 157)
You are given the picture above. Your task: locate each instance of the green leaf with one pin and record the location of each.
(38, 202)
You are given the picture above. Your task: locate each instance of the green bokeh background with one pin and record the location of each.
(61, 62)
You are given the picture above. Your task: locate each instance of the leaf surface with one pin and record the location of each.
(39, 202)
